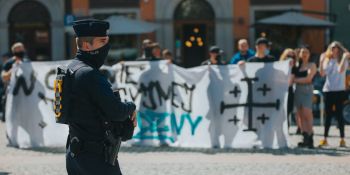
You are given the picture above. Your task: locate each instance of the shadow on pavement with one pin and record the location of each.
(4, 173)
(283, 151)
(46, 150)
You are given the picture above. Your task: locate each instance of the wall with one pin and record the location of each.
(315, 37)
(56, 10)
(342, 30)
(223, 28)
(147, 13)
(241, 22)
(80, 7)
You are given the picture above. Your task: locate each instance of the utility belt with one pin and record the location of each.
(114, 134)
(109, 147)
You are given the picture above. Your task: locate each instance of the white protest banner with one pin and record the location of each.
(29, 112)
(222, 106)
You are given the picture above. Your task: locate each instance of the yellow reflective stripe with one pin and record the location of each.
(60, 86)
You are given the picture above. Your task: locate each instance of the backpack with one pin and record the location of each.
(63, 92)
(64, 96)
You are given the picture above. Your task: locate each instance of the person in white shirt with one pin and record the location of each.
(333, 65)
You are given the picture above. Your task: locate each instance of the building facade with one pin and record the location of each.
(342, 30)
(223, 22)
(186, 27)
(39, 24)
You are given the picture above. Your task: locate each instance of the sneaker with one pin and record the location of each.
(342, 143)
(323, 143)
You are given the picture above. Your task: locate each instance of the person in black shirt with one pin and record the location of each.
(18, 51)
(147, 50)
(261, 46)
(156, 51)
(4, 58)
(215, 56)
(94, 103)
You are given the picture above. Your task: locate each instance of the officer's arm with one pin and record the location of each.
(110, 106)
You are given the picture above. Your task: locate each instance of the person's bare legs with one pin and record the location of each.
(308, 120)
(299, 119)
(307, 123)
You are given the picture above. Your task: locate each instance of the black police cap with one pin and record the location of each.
(90, 27)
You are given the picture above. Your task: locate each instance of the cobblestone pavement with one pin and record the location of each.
(169, 161)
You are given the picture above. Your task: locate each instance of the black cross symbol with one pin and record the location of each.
(264, 89)
(42, 124)
(235, 91)
(235, 120)
(250, 104)
(263, 118)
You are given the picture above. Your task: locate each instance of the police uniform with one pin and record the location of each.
(93, 102)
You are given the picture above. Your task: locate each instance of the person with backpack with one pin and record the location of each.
(85, 101)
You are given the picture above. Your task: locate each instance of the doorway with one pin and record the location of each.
(30, 24)
(194, 31)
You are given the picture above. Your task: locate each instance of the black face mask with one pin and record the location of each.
(19, 54)
(96, 57)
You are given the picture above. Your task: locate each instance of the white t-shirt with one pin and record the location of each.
(335, 81)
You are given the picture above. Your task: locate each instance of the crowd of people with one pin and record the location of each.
(332, 66)
(153, 52)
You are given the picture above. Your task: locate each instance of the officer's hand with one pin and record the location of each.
(134, 119)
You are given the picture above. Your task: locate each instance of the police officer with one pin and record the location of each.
(94, 103)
